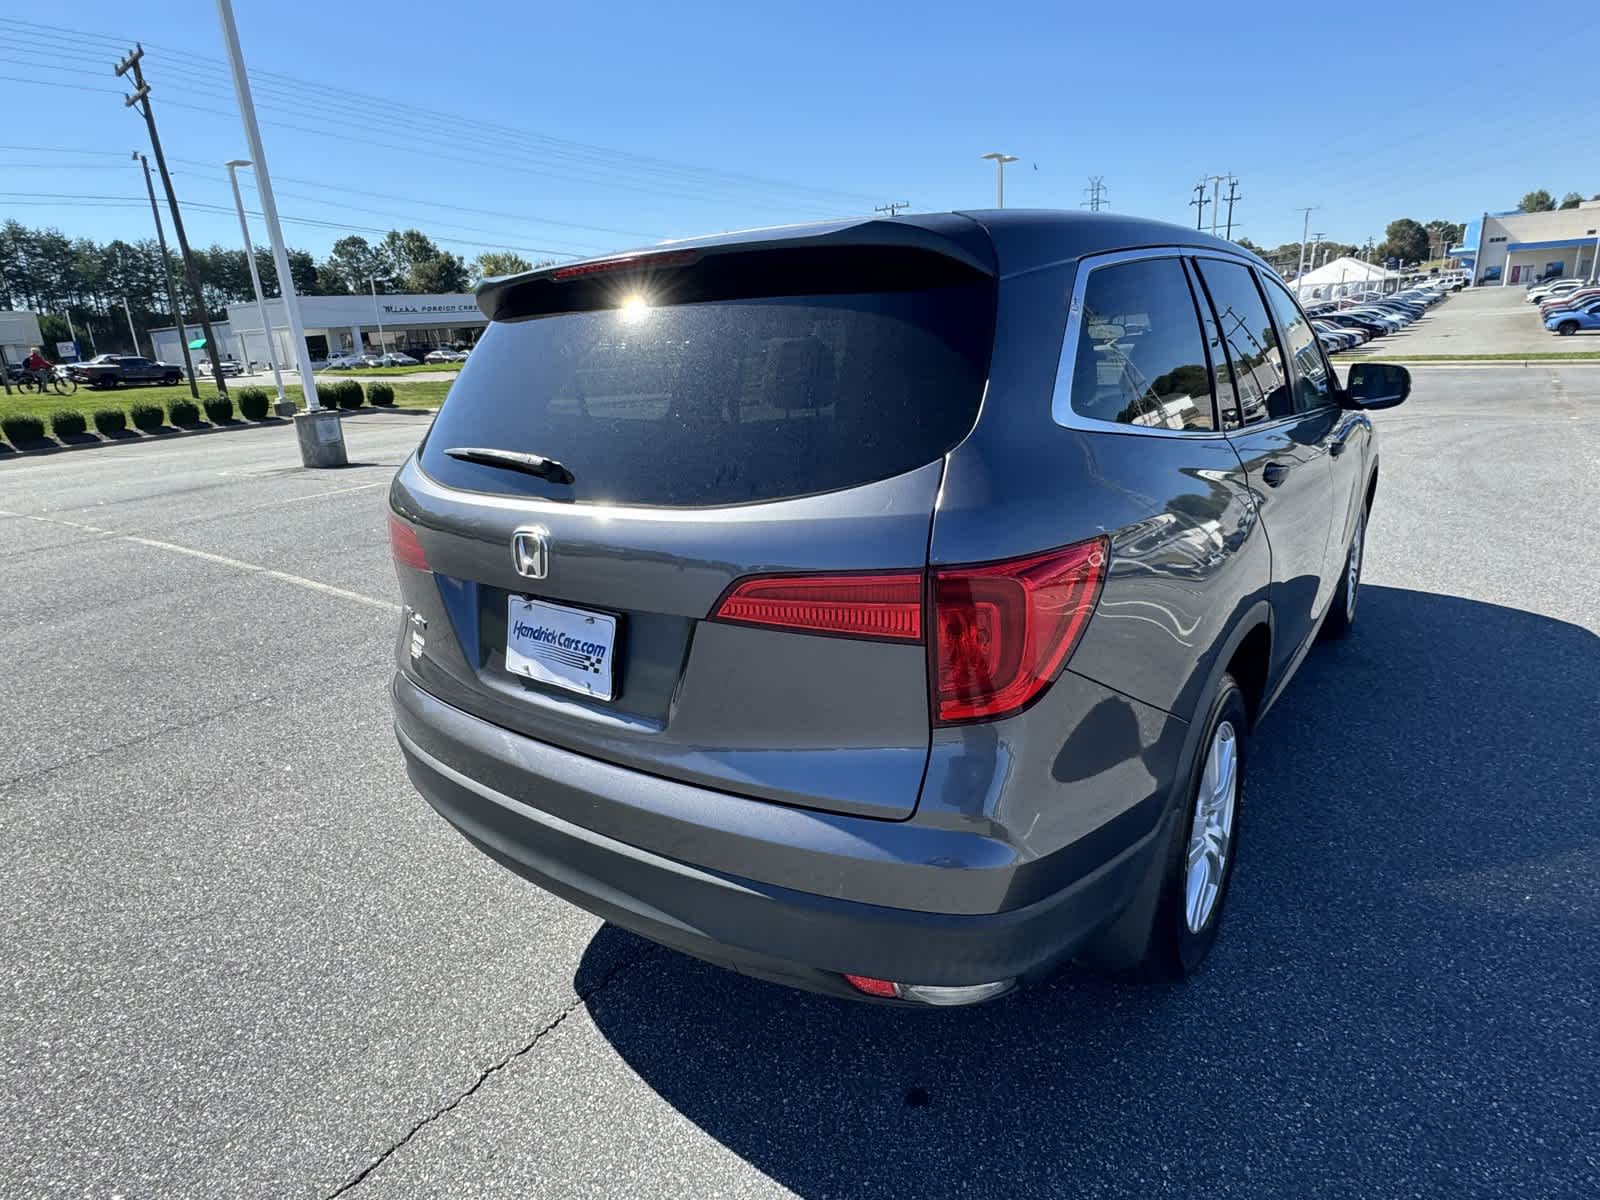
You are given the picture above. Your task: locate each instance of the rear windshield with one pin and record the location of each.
(726, 402)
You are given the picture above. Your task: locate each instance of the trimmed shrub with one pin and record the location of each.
(380, 394)
(219, 409)
(110, 420)
(147, 416)
(19, 429)
(67, 423)
(183, 412)
(350, 394)
(254, 404)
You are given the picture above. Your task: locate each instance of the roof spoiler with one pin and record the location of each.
(543, 291)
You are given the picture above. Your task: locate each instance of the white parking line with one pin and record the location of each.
(223, 560)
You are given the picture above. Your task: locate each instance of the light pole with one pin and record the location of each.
(383, 347)
(320, 435)
(285, 406)
(1000, 161)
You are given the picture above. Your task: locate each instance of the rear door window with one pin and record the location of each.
(1140, 359)
(1254, 363)
(725, 402)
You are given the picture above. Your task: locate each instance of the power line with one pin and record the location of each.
(365, 103)
(1096, 193)
(1232, 198)
(1199, 202)
(893, 207)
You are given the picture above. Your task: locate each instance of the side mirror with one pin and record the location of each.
(1376, 385)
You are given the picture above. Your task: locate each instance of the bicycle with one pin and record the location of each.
(47, 381)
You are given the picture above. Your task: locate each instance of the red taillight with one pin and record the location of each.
(1002, 630)
(631, 262)
(873, 987)
(405, 547)
(864, 606)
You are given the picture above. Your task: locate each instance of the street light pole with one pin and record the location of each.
(1000, 161)
(320, 434)
(285, 406)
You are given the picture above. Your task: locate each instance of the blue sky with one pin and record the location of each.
(577, 128)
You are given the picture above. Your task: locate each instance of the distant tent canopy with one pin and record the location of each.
(1339, 277)
(198, 344)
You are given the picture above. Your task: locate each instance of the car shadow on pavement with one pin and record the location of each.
(1402, 1000)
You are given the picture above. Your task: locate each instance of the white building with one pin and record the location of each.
(1518, 247)
(19, 333)
(342, 325)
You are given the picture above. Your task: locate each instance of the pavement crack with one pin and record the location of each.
(495, 1068)
(78, 760)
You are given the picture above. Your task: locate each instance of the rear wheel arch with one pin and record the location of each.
(1372, 487)
(1250, 665)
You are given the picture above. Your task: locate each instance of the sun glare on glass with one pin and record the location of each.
(634, 309)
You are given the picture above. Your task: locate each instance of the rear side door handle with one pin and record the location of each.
(1274, 473)
(1336, 448)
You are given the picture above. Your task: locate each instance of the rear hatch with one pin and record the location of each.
(712, 450)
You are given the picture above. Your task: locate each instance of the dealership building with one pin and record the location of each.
(341, 325)
(1519, 247)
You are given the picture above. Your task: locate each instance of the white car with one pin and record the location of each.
(230, 367)
(1553, 290)
(442, 356)
(350, 362)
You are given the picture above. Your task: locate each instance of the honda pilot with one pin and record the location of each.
(881, 607)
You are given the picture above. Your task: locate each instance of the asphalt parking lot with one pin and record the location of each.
(1479, 320)
(241, 958)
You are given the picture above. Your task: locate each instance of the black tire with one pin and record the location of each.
(1177, 947)
(111, 382)
(169, 380)
(1341, 616)
(67, 387)
(1567, 328)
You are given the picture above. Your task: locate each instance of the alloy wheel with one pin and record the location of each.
(1211, 831)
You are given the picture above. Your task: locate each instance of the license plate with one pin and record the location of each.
(565, 647)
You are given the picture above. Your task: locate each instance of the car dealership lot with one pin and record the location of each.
(242, 958)
(1480, 320)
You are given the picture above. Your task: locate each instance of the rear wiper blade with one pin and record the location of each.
(514, 460)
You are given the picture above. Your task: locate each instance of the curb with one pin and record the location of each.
(168, 433)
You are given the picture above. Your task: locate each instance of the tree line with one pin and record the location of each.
(43, 270)
(1408, 240)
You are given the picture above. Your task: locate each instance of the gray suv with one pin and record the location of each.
(880, 607)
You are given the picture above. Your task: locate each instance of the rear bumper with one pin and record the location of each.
(800, 938)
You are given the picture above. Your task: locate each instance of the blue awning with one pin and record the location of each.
(1513, 247)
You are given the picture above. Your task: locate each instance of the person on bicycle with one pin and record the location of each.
(38, 366)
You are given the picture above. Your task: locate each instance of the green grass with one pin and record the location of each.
(1533, 356)
(427, 394)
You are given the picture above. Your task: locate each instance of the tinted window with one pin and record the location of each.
(725, 402)
(1227, 402)
(1139, 358)
(1253, 360)
(1310, 368)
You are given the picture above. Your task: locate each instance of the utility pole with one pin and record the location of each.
(893, 207)
(317, 429)
(1232, 198)
(1200, 203)
(1096, 192)
(1216, 193)
(1305, 230)
(166, 277)
(132, 333)
(377, 312)
(141, 100)
(1000, 161)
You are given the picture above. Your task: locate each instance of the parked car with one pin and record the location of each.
(395, 359)
(1570, 321)
(1553, 289)
(351, 362)
(1353, 319)
(1335, 338)
(114, 370)
(835, 691)
(442, 356)
(230, 367)
(1572, 300)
